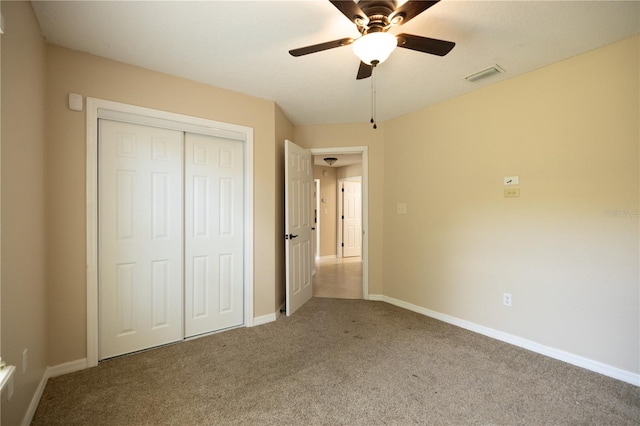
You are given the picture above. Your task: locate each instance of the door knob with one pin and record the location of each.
(290, 237)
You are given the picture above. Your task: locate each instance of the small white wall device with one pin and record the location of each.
(75, 102)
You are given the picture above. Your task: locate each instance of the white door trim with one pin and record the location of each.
(364, 151)
(99, 108)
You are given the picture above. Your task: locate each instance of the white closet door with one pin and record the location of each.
(140, 237)
(214, 187)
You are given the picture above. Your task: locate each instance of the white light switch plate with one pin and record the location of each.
(511, 180)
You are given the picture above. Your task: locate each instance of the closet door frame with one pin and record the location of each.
(102, 109)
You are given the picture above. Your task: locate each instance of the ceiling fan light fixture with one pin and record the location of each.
(375, 47)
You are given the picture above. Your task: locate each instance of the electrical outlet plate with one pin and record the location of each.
(512, 193)
(401, 208)
(506, 299)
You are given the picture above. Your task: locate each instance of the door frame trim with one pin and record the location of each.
(364, 151)
(104, 109)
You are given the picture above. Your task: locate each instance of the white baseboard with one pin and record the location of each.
(66, 368)
(579, 361)
(58, 370)
(330, 257)
(264, 319)
(33, 406)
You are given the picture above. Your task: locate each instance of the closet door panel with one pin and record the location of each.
(214, 211)
(140, 237)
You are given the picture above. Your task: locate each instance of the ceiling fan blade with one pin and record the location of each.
(425, 44)
(411, 9)
(351, 10)
(364, 71)
(320, 47)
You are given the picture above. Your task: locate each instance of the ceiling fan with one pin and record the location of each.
(374, 18)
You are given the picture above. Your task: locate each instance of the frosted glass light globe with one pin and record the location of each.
(374, 47)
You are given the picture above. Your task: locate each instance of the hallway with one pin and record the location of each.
(338, 278)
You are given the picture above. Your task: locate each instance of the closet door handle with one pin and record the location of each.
(290, 237)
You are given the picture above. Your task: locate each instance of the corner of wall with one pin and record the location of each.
(24, 242)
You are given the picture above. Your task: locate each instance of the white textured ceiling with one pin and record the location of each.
(243, 46)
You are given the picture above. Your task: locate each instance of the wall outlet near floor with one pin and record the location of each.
(25, 361)
(512, 193)
(506, 299)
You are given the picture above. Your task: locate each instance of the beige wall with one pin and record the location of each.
(328, 210)
(567, 249)
(359, 134)
(24, 303)
(352, 170)
(72, 71)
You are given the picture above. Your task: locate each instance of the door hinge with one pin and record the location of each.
(342, 217)
(342, 244)
(342, 189)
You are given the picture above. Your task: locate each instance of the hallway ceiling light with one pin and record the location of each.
(330, 160)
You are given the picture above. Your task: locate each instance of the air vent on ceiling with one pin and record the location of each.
(487, 72)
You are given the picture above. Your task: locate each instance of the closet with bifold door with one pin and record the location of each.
(170, 225)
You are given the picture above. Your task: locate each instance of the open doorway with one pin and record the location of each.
(340, 272)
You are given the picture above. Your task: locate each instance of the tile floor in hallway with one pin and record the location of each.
(338, 278)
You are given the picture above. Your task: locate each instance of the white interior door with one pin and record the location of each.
(140, 237)
(298, 222)
(214, 182)
(352, 219)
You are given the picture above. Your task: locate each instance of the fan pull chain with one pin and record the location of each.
(373, 94)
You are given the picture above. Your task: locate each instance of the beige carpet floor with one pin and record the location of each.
(339, 362)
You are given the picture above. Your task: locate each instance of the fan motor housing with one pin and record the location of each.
(378, 7)
(377, 12)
